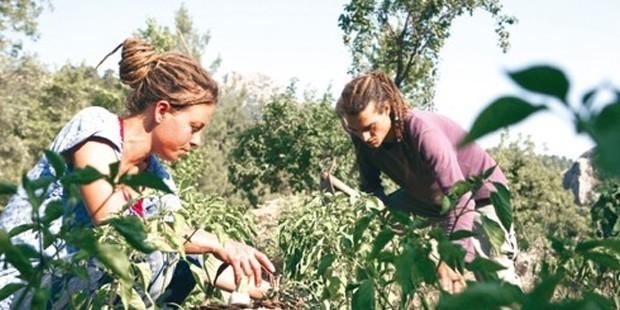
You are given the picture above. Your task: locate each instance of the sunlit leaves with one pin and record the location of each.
(132, 229)
(501, 202)
(494, 233)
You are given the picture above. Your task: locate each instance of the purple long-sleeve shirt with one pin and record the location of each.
(434, 165)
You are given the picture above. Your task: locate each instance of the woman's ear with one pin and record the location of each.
(162, 108)
(387, 108)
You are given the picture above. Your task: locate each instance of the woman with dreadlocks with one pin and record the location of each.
(419, 151)
(171, 101)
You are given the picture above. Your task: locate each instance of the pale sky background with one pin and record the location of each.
(300, 39)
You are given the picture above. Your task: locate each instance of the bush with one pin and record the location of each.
(288, 147)
(541, 206)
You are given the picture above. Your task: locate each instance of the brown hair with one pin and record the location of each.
(378, 87)
(168, 76)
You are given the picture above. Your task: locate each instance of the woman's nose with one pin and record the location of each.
(196, 140)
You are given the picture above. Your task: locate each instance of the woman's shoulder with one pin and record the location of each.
(88, 122)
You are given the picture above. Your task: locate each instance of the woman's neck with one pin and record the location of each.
(136, 142)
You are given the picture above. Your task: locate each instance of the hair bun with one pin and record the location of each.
(137, 58)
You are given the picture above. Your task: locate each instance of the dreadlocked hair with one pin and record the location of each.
(377, 87)
(168, 76)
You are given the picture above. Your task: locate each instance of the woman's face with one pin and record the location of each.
(179, 130)
(372, 126)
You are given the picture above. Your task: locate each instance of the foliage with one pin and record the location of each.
(18, 17)
(403, 38)
(540, 204)
(553, 85)
(288, 147)
(605, 212)
(111, 245)
(340, 252)
(120, 245)
(183, 39)
(40, 102)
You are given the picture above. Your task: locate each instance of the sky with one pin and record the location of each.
(301, 39)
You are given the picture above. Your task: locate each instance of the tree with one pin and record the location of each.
(404, 37)
(541, 206)
(185, 39)
(18, 17)
(289, 146)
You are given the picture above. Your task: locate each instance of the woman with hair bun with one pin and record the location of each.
(171, 101)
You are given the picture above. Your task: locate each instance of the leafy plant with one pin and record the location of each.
(289, 146)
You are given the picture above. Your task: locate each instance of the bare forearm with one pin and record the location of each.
(199, 241)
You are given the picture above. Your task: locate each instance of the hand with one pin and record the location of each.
(450, 280)
(245, 260)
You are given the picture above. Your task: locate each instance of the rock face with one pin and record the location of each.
(581, 180)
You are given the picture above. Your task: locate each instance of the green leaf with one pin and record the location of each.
(451, 253)
(114, 170)
(364, 296)
(486, 268)
(360, 227)
(586, 100)
(606, 134)
(132, 229)
(7, 188)
(381, 240)
(543, 291)
(130, 298)
(145, 274)
(423, 267)
(20, 229)
(461, 234)
(401, 217)
(115, 260)
(494, 232)
(10, 289)
(543, 80)
(404, 268)
(502, 112)
(57, 162)
(603, 259)
(487, 173)
(14, 256)
(501, 202)
(40, 297)
(81, 176)
(482, 295)
(53, 210)
(27, 250)
(145, 179)
(325, 263)
(610, 244)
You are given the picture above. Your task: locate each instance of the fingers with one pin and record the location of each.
(446, 284)
(458, 286)
(264, 261)
(257, 272)
(236, 264)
